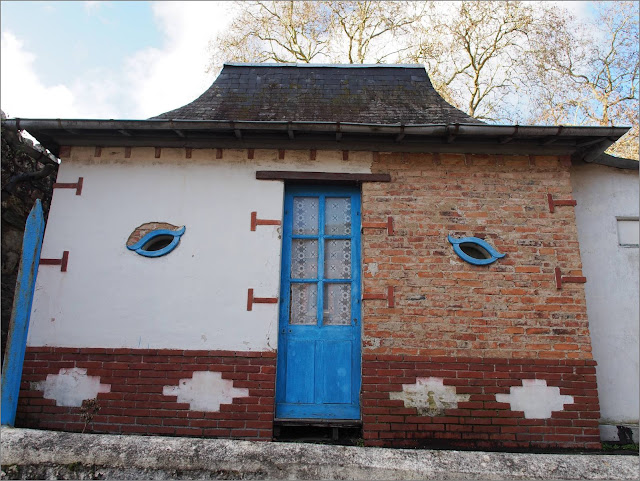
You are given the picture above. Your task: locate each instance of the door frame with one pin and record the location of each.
(353, 410)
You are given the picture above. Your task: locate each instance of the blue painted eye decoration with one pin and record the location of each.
(158, 242)
(475, 251)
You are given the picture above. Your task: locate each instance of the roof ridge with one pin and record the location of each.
(325, 65)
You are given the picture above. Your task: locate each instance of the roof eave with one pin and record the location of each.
(617, 162)
(582, 143)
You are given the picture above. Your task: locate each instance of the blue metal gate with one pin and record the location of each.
(19, 326)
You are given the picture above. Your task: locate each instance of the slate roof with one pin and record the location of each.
(375, 94)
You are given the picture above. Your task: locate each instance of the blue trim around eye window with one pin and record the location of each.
(495, 255)
(137, 247)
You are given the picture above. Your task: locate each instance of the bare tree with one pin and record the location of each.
(500, 61)
(472, 52)
(274, 31)
(372, 31)
(534, 63)
(323, 31)
(588, 73)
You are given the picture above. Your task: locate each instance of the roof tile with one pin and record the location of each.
(372, 95)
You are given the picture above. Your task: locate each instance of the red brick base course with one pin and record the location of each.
(136, 403)
(480, 423)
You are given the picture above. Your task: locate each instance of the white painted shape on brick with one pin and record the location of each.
(71, 386)
(535, 398)
(205, 391)
(429, 395)
(605, 194)
(372, 267)
(196, 296)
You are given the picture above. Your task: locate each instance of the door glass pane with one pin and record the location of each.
(337, 304)
(337, 259)
(337, 216)
(305, 216)
(304, 259)
(304, 303)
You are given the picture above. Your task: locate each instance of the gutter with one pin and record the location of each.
(408, 129)
(583, 143)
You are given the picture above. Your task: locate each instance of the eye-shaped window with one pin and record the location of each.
(475, 251)
(157, 242)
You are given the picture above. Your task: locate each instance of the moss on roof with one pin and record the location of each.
(372, 94)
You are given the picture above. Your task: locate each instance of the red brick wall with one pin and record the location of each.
(445, 306)
(499, 323)
(480, 422)
(136, 403)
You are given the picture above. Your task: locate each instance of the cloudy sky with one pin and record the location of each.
(113, 60)
(105, 59)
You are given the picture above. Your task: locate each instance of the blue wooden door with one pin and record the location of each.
(318, 371)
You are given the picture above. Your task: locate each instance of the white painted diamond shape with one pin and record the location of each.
(71, 386)
(535, 398)
(429, 396)
(205, 391)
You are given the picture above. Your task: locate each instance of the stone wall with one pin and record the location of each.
(36, 454)
(17, 200)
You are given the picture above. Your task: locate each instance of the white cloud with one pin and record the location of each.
(579, 9)
(100, 94)
(147, 83)
(167, 78)
(22, 92)
(91, 6)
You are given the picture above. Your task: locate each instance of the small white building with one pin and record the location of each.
(607, 218)
(328, 245)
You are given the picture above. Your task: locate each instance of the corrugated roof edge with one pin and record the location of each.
(325, 65)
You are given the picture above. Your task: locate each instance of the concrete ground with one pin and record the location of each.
(34, 454)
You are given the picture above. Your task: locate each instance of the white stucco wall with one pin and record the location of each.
(196, 296)
(604, 193)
